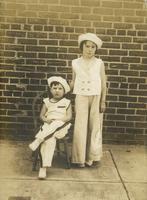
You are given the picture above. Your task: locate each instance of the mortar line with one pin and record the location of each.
(125, 188)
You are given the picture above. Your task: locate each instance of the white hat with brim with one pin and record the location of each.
(60, 80)
(91, 37)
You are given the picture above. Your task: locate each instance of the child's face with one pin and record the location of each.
(89, 49)
(57, 91)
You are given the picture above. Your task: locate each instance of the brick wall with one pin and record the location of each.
(39, 39)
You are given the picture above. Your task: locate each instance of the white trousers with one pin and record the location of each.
(87, 137)
(48, 146)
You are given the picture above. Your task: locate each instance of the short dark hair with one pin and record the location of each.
(54, 83)
(84, 42)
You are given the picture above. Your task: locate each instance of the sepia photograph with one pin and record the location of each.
(73, 99)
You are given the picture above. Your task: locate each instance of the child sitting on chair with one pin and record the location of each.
(55, 112)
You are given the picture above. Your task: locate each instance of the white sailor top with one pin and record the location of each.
(56, 110)
(87, 82)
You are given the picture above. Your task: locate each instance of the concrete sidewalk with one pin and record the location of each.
(121, 176)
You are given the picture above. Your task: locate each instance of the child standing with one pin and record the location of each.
(89, 85)
(55, 112)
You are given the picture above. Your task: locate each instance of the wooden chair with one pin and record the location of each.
(36, 156)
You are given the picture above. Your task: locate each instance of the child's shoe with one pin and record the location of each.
(42, 173)
(81, 165)
(89, 163)
(35, 144)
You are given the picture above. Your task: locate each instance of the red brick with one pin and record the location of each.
(139, 67)
(135, 118)
(111, 59)
(36, 35)
(35, 62)
(73, 3)
(121, 32)
(138, 53)
(26, 55)
(48, 42)
(144, 60)
(118, 105)
(136, 105)
(130, 59)
(14, 47)
(142, 33)
(79, 10)
(121, 39)
(56, 63)
(142, 99)
(144, 47)
(141, 26)
(112, 19)
(125, 111)
(129, 73)
(84, 23)
(57, 49)
(140, 39)
(47, 55)
(123, 26)
(102, 24)
(111, 45)
(112, 4)
(116, 78)
(131, 33)
(131, 46)
(143, 74)
(35, 48)
(57, 22)
(91, 17)
(118, 52)
(128, 98)
(124, 12)
(38, 28)
(136, 80)
(134, 19)
(117, 91)
(138, 93)
(16, 33)
(135, 5)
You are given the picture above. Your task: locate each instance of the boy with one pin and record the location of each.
(55, 112)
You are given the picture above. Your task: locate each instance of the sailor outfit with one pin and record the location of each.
(56, 111)
(87, 137)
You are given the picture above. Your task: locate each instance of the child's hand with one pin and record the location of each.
(102, 107)
(46, 120)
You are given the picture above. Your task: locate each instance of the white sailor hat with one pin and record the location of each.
(91, 37)
(61, 80)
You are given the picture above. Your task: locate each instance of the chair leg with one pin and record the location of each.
(58, 147)
(35, 160)
(40, 158)
(67, 154)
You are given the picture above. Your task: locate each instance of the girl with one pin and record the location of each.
(55, 112)
(89, 85)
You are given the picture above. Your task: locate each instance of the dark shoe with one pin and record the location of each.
(76, 165)
(86, 165)
(96, 163)
(81, 165)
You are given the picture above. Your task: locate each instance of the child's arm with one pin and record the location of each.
(73, 80)
(42, 114)
(104, 88)
(68, 116)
